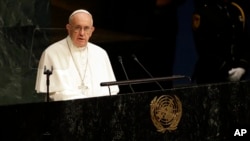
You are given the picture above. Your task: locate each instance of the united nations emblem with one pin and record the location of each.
(166, 112)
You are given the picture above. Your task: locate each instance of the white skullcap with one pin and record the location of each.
(79, 11)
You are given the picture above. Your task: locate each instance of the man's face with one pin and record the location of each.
(80, 29)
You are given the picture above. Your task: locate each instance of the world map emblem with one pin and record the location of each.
(166, 112)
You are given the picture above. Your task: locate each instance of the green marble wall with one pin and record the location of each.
(18, 19)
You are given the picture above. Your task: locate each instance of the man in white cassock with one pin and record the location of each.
(78, 65)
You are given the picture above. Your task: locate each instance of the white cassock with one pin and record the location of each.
(77, 72)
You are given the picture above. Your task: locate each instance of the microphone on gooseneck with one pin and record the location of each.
(125, 72)
(136, 59)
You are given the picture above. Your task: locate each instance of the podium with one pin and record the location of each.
(206, 112)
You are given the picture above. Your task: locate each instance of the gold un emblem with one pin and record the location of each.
(166, 112)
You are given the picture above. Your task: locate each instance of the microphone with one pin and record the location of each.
(47, 72)
(125, 72)
(135, 58)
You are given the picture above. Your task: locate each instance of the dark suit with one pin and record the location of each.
(220, 36)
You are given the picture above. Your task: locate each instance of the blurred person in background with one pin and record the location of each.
(222, 41)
